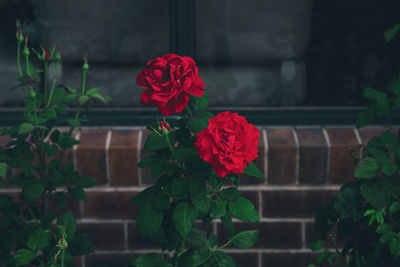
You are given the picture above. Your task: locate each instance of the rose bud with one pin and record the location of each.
(164, 128)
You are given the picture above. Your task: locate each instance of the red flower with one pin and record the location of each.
(229, 143)
(163, 128)
(169, 80)
(46, 55)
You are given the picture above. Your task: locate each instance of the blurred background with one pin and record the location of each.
(259, 53)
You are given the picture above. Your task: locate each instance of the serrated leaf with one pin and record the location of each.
(38, 239)
(25, 127)
(200, 121)
(149, 220)
(144, 195)
(394, 207)
(32, 191)
(80, 245)
(245, 239)
(201, 202)
(183, 216)
(83, 99)
(366, 168)
(373, 94)
(244, 210)
(92, 91)
(150, 260)
(68, 221)
(24, 256)
(389, 170)
(375, 192)
(185, 153)
(86, 182)
(197, 238)
(217, 209)
(365, 117)
(77, 193)
(199, 103)
(156, 142)
(317, 245)
(252, 170)
(161, 201)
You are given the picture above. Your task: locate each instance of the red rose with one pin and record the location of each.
(229, 143)
(169, 80)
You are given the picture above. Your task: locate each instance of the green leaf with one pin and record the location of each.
(317, 245)
(217, 209)
(223, 260)
(92, 91)
(230, 193)
(244, 210)
(86, 182)
(74, 122)
(58, 94)
(200, 121)
(24, 256)
(183, 216)
(227, 222)
(370, 93)
(149, 220)
(380, 156)
(3, 169)
(77, 193)
(144, 195)
(146, 162)
(38, 239)
(156, 142)
(245, 239)
(365, 117)
(83, 99)
(68, 221)
(197, 238)
(375, 192)
(201, 202)
(366, 168)
(180, 188)
(199, 103)
(382, 228)
(161, 201)
(389, 170)
(392, 32)
(32, 191)
(394, 207)
(158, 168)
(25, 127)
(150, 260)
(69, 98)
(80, 245)
(185, 153)
(60, 199)
(252, 170)
(347, 202)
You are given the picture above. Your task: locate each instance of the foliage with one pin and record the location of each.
(366, 212)
(31, 232)
(177, 211)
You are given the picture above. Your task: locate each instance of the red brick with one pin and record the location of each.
(313, 156)
(294, 204)
(368, 133)
(109, 259)
(123, 157)
(245, 179)
(72, 205)
(110, 205)
(77, 261)
(272, 235)
(342, 164)
(91, 154)
(287, 259)
(104, 236)
(281, 156)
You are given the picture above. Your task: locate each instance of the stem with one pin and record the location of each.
(62, 258)
(19, 60)
(84, 82)
(342, 259)
(45, 80)
(169, 144)
(53, 84)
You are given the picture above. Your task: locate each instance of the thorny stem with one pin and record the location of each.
(45, 80)
(342, 259)
(52, 86)
(19, 59)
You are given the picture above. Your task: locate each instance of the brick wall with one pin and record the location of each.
(304, 168)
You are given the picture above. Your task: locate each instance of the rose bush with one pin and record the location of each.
(192, 158)
(229, 143)
(169, 80)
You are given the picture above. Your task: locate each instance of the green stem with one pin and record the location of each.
(45, 80)
(27, 69)
(53, 84)
(19, 59)
(84, 82)
(62, 258)
(169, 144)
(342, 259)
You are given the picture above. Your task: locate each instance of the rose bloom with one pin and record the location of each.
(229, 143)
(169, 80)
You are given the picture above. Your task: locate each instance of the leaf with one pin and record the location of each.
(252, 170)
(390, 33)
(375, 192)
(245, 239)
(156, 142)
(347, 202)
(58, 94)
(185, 153)
(217, 209)
(158, 168)
(179, 188)
(244, 210)
(3, 169)
(389, 170)
(150, 260)
(370, 93)
(74, 122)
(77, 193)
(201, 202)
(144, 195)
(317, 245)
(197, 238)
(149, 220)
(230, 193)
(80, 245)
(366, 168)
(227, 222)
(223, 260)
(365, 117)
(60, 199)
(199, 103)
(394, 207)
(32, 191)
(92, 91)
(83, 99)
(25, 127)
(146, 162)
(38, 239)
(380, 156)
(24, 256)
(161, 201)
(200, 121)
(68, 221)
(183, 216)
(86, 182)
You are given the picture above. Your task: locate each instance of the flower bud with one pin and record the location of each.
(26, 49)
(85, 66)
(32, 95)
(164, 128)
